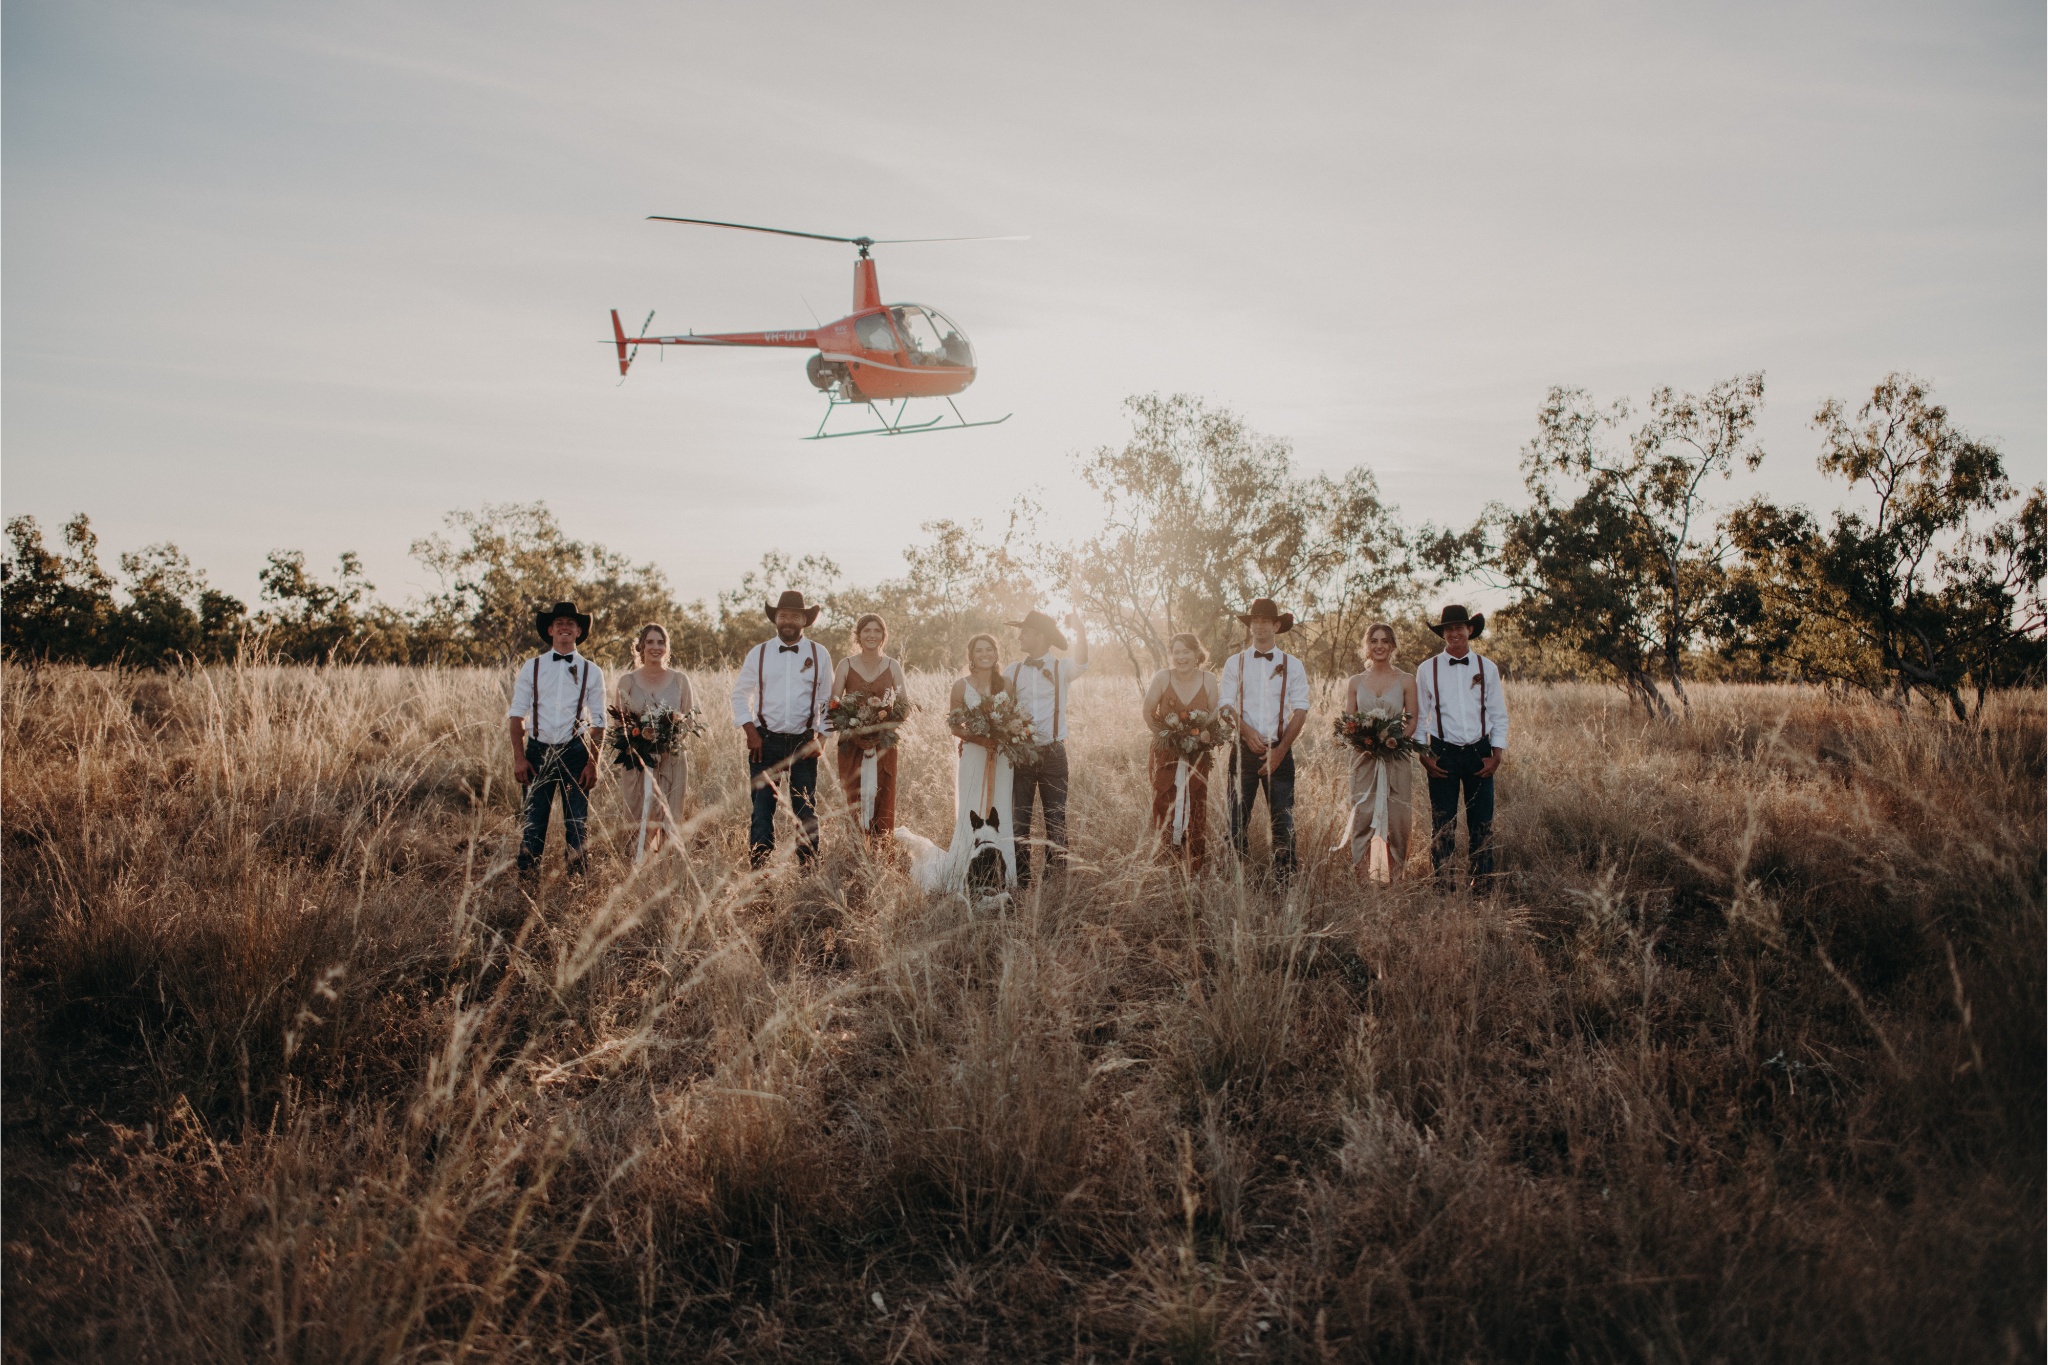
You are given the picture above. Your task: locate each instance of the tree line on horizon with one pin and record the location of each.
(1618, 566)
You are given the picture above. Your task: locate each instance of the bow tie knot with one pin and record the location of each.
(787, 649)
(1456, 663)
(565, 658)
(1263, 654)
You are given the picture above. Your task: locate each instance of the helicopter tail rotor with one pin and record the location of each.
(622, 341)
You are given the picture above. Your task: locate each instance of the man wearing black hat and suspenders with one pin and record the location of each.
(1464, 726)
(557, 700)
(779, 699)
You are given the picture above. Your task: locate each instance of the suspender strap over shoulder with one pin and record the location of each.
(761, 686)
(1436, 691)
(575, 718)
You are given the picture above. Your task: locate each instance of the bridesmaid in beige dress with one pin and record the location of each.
(637, 690)
(1384, 686)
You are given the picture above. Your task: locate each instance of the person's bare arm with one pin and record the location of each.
(958, 698)
(1080, 637)
(522, 771)
(1411, 703)
(1154, 690)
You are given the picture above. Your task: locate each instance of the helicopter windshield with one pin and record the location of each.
(931, 337)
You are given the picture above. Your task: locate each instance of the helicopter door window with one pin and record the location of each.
(923, 338)
(952, 341)
(874, 334)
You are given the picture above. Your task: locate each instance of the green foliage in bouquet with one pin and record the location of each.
(1000, 719)
(868, 720)
(641, 739)
(1376, 731)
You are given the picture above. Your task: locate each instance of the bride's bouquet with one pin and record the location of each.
(1192, 733)
(641, 739)
(1376, 731)
(868, 720)
(998, 718)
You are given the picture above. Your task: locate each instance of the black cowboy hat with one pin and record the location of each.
(1044, 623)
(548, 616)
(1265, 607)
(794, 601)
(1458, 616)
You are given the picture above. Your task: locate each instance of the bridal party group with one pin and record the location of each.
(1009, 716)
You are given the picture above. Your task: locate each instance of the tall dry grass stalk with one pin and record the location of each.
(1745, 1063)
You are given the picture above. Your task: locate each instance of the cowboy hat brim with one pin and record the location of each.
(543, 619)
(1282, 623)
(1477, 621)
(810, 613)
(1045, 624)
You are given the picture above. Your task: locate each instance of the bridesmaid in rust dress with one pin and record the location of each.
(1180, 786)
(867, 770)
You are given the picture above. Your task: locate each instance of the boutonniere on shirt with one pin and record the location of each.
(1478, 679)
(806, 666)
(1280, 670)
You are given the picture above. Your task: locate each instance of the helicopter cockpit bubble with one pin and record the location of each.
(933, 338)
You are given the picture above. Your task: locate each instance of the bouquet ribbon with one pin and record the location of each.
(1181, 772)
(870, 779)
(1379, 804)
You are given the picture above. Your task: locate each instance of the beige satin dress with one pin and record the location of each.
(671, 776)
(1365, 771)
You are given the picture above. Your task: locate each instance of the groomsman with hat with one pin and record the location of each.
(1268, 687)
(1039, 682)
(1464, 726)
(557, 724)
(779, 700)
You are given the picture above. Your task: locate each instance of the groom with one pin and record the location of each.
(1268, 687)
(557, 700)
(1039, 682)
(779, 699)
(1464, 724)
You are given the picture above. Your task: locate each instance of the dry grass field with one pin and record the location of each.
(1744, 1063)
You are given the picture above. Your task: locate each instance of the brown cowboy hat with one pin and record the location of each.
(1458, 616)
(1044, 623)
(547, 616)
(1265, 608)
(794, 601)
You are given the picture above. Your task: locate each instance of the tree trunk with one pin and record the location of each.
(1643, 688)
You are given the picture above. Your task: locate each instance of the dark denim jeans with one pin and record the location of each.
(556, 768)
(1045, 781)
(1244, 789)
(1461, 762)
(766, 775)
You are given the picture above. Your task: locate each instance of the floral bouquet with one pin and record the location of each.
(866, 719)
(641, 739)
(998, 718)
(1376, 731)
(1190, 734)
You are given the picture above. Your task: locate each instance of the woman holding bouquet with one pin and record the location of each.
(983, 854)
(650, 688)
(873, 681)
(1180, 709)
(1381, 780)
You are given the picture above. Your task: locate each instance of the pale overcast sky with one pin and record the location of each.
(305, 276)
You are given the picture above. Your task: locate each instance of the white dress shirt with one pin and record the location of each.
(1266, 692)
(561, 680)
(783, 688)
(1452, 687)
(1041, 690)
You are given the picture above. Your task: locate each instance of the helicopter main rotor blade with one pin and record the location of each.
(750, 227)
(898, 241)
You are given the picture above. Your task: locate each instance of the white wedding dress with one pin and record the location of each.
(981, 820)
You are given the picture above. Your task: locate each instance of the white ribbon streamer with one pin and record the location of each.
(646, 800)
(1378, 797)
(870, 779)
(1181, 773)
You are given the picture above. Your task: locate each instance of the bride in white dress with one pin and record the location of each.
(983, 854)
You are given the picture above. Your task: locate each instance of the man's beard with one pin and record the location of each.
(789, 634)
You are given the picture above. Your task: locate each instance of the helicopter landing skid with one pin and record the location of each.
(894, 425)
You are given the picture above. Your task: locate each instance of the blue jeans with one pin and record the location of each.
(1461, 763)
(556, 768)
(1244, 789)
(766, 774)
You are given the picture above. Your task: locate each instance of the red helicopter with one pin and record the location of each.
(879, 353)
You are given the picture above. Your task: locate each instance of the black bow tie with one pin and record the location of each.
(1257, 655)
(1455, 663)
(565, 658)
(1037, 663)
(787, 649)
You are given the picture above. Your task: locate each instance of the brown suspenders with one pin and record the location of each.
(761, 685)
(1280, 713)
(1436, 694)
(575, 721)
(1015, 674)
